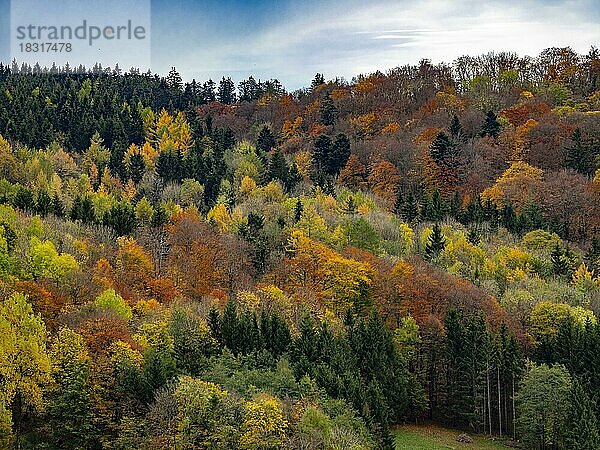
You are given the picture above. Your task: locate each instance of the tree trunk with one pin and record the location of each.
(499, 404)
(514, 415)
(487, 374)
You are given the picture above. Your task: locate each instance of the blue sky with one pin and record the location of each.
(292, 40)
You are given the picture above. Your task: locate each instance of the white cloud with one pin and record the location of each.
(348, 41)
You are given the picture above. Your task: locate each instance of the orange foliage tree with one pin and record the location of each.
(384, 181)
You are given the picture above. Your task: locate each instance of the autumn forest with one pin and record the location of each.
(229, 265)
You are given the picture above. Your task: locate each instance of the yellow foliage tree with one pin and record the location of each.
(291, 129)
(335, 282)
(365, 125)
(264, 424)
(517, 186)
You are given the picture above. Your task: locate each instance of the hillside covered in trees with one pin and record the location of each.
(208, 265)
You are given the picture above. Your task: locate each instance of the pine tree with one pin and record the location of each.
(455, 209)
(266, 140)
(437, 206)
(321, 153)
(441, 149)
(43, 203)
(436, 243)
(579, 156)
(294, 177)
(340, 153)
(443, 153)
(174, 79)
(460, 400)
(58, 208)
(24, 199)
(121, 218)
(582, 428)
(350, 206)
(399, 204)
(226, 92)
(278, 168)
(564, 261)
(317, 81)
(509, 219)
(214, 323)
(230, 327)
(455, 127)
(298, 210)
(160, 216)
(533, 216)
(328, 111)
(137, 167)
(592, 256)
(410, 210)
(473, 236)
(491, 126)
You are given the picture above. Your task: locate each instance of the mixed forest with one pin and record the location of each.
(212, 265)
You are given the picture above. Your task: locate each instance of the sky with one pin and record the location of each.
(293, 40)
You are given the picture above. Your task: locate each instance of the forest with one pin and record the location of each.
(212, 265)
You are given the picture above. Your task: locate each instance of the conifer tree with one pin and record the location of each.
(410, 210)
(317, 81)
(441, 149)
(43, 203)
(473, 236)
(399, 204)
(455, 127)
(592, 256)
(266, 140)
(298, 210)
(321, 153)
(340, 153)
(226, 92)
(328, 110)
(58, 208)
(230, 328)
(24, 199)
(136, 167)
(160, 217)
(174, 79)
(491, 126)
(436, 243)
(294, 177)
(582, 429)
(278, 168)
(121, 218)
(579, 156)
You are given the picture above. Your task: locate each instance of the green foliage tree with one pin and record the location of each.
(278, 168)
(543, 404)
(24, 364)
(71, 421)
(359, 233)
(455, 127)
(46, 262)
(121, 218)
(109, 299)
(208, 416)
(581, 431)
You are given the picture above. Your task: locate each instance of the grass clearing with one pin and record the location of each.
(433, 437)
